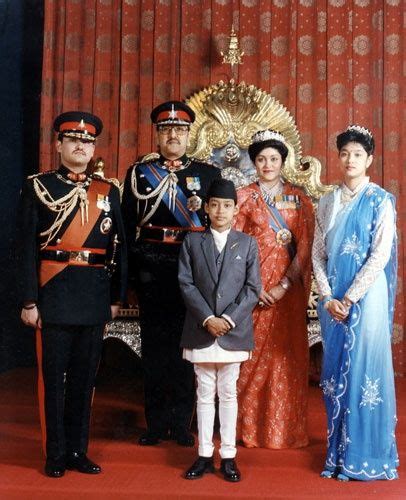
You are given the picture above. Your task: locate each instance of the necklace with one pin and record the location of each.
(268, 194)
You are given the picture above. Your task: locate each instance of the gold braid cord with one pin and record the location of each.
(62, 206)
(168, 183)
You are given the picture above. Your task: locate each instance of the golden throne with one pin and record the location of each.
(227, 116)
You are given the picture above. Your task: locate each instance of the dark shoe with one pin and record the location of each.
(183, 438)
(80, 462)
(55, 467)
(200, 467)
(230, 470)
(149, 439)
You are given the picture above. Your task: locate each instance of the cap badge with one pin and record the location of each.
(173, 114)
(82, 125)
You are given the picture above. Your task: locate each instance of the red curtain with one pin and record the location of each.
(330, 62)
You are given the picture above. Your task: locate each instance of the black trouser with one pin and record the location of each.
(168, 379)
(169, 383)
(70, 360)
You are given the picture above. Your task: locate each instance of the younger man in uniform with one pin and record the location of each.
(220, 282)
(70, 223)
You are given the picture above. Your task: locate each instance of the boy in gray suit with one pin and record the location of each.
(220, 283)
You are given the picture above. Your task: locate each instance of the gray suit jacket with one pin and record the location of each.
(233, 291)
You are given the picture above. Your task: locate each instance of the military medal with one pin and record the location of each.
(193, 183)
(106, 225)
(194, 203)
(286, 201)
(103, 203)
(284, 236)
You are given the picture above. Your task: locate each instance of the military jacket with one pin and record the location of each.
(78, 295)
(193, 180)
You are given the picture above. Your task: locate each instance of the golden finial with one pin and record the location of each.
(233, 55)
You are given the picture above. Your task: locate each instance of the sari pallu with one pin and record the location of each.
(357, 376)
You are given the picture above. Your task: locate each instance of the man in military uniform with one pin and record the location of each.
(70, 229)
(162, 201)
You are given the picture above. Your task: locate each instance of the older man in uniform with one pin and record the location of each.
(70, 229)
(162, 201)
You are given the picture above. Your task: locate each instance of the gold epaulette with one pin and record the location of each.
(150, 157)
(205, 162)
(39, 174)
(111, 180)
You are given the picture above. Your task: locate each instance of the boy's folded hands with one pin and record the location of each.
(217, 326)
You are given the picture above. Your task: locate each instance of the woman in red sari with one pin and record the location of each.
(272, 387)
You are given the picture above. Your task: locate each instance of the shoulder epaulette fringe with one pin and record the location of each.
(112, 180)
(39, 174)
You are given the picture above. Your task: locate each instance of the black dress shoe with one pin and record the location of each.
(149, 439)
(183, 438)
(200, 467)
(55, 467)
(230, 470)
(80, 462)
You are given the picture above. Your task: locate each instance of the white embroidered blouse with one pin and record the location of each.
(380, 248)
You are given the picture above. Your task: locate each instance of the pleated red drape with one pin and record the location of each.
(330, 62)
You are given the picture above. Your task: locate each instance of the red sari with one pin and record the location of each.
(273, 384)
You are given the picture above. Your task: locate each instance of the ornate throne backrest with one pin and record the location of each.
(228, 115)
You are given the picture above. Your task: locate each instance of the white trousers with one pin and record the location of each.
(221, 378)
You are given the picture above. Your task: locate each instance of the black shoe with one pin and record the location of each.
(55, 467)
(80, 462)
(230, 470)
(149, 439)
(183, 438)
(200, 467)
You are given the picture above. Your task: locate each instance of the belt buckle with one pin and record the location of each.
(169, 235)
(79, 256)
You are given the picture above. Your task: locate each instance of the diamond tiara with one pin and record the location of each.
(361, 130)
(267, 135)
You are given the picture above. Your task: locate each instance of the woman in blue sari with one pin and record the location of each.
(354, 260)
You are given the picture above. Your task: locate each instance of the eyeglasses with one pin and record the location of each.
(178, 129)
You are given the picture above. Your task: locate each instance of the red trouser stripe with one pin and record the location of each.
(41, 390)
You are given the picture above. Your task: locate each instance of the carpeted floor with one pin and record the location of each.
(134, 472)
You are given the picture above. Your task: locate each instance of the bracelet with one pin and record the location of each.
(28, 308)
(346, 302)
(285, 283)
(326, 300)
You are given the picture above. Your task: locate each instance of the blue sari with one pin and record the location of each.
(357, 376)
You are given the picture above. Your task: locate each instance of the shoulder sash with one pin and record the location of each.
(75, 234)
(283, 233)
(155, 175)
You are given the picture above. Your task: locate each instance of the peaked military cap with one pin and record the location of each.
(78, 124)
(222, 188)
(172, 113)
